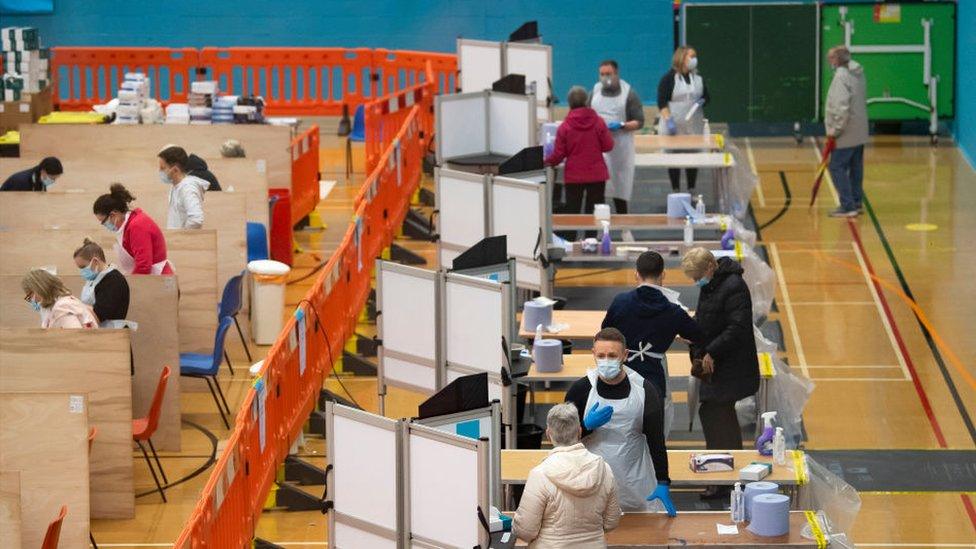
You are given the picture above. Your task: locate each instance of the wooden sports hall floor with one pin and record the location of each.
(841, 304)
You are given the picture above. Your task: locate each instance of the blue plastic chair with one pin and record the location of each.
(358, 134)
(257, 241)
(205, 366)
(230, 305)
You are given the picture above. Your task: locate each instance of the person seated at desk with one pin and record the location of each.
(650, 316)
(47, 295)
(623, 422)
(581, 140)
(106, 289)
(186, 191)
(570, 499)
(37, 179)
(140, 246)
(197, 167)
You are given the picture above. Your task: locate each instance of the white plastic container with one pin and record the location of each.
(267, 299)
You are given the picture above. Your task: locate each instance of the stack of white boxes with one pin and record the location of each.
(201, 100)
(26, 67)
(133, 95)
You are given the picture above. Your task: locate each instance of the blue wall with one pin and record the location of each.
(638, 34)
(966, 79)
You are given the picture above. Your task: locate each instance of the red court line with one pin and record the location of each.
(923, 398)
(968, 504)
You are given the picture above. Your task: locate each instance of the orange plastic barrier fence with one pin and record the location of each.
(293, 81)
(304, 173)
(284, 395)
(90, 76)
(384, 116)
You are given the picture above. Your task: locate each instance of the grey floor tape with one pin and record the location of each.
(902, 470)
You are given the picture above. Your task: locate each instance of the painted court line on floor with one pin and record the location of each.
(828, 182)
(788, 308)
(881, 312)
(752, 164)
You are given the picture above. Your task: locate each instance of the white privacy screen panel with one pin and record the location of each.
(529, 274)
(461, 208)
(511, 120)
(480, 64)
(474, 323)
(408, 324)
(517, 211)
(446, 257)
(535, 62)
(364, 459)
(461, 125)
(444, 490)
(350, 536)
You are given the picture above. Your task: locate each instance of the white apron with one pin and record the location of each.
(127, 263)
(683, 98)
(621, 443)
(620, 160)
(88, 290)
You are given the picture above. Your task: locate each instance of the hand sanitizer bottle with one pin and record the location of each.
(707, 132)
(779, 447)
(605, 242)
(700, 206)
(737, 504)
(689, 232)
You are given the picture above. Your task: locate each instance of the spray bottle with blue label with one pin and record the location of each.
(765, 441)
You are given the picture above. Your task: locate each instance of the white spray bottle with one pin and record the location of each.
(779, 447)
(737, 504)
(689, 232)
(538, 338)
(765, 441)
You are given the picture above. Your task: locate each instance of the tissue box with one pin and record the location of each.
(755, 471)
(711, 463)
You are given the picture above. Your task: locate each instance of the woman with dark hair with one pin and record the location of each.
(141, 247)
(37, 179)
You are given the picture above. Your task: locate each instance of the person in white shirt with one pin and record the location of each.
(186, 191)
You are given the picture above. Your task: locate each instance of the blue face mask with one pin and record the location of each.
(35, 305)
(109, 225)
(608, 368)
(702, 282)
(88, 273)
(164, 178)
(47, 181)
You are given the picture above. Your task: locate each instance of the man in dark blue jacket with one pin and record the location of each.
(650, 316)
(38, 178)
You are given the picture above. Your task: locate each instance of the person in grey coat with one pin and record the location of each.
(846, 120)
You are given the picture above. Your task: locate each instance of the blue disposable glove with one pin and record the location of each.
(701, 102)
(672, 127)
(663, 493)
(597, 417)
(615, 126)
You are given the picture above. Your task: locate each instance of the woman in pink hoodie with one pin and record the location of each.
(581, 140)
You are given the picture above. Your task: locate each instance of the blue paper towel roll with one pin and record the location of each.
(548, 355)
(535, 313)
(676, 205)
(770, 515)
(754, 489)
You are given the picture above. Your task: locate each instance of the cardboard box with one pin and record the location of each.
(26, 111)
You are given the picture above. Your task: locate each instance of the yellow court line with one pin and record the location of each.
(884, 318)
(752, 164)
(788, 308)
(829, 182)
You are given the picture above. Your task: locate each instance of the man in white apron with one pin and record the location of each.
(622, 417)
(681, 98)
(620, 107)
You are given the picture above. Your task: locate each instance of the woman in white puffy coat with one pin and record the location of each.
(570, 499)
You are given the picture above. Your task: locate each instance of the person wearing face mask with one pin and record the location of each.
(681, 98)
(186, 191)
(37, 179)
(725, 356)
(140, 245)
(620, 107)
(48, 296)
(106, 289)
(623, 422)
(846, 121)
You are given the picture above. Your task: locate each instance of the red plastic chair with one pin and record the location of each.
(53, 534)
(144, 428)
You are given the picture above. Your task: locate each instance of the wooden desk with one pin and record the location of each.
(516, 464)
(659, 223)
(672, 252)
(696, 529)
(582, 324)
(647, 142)
(575, 366)
(705, 160)
(10, 509)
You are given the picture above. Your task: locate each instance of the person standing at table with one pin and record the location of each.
(140, 246)
(620, 107)
(36, 179)
(725, 357)
(681, 98)
(186, 191)
(106, 290)
(581, 140)
(623, 422)
(846, 121)
(49, 297)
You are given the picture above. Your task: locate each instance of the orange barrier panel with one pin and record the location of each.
(284, 395)
(293, 81)
(304, 174)
(384, 116)
(84, 77)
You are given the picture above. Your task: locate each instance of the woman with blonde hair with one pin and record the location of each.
(47, 295)
(681, 98)
(106, 290)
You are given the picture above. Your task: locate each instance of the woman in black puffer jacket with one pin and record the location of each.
(727, 351)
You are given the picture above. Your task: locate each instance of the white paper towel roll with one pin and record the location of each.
(676, 204)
